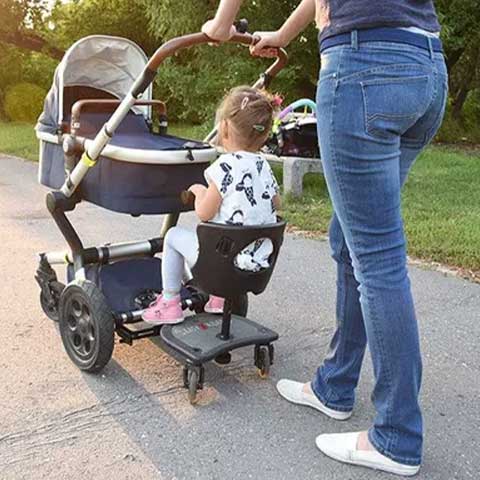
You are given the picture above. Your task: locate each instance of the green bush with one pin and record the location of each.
(194, 84)
(24, 102)
(38, 69)
(463, 130)
(471, 114)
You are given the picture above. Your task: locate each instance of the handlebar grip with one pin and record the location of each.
(242, 25)
(176, 44)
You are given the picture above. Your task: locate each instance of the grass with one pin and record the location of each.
(441, 207)
(190, 131)
(19, 139)
(441, 201)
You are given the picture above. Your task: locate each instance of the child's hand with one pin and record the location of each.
(197, 189)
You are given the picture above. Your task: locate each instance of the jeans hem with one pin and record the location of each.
(328, 404)
(405, 461)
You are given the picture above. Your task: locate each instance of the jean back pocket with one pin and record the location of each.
(393, 105)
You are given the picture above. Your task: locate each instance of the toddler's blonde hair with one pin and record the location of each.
(250, 113)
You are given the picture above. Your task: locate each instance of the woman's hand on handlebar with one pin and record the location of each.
(267, 43)
(217, 31)
(301, 17)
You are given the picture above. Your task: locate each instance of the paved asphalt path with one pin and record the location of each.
(134, 420)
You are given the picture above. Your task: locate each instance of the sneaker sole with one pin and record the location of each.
(340, 416)
(170, 322)
(213, 310)
(404, 471)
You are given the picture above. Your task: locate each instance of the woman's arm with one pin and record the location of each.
(301, 17)
(221, 27)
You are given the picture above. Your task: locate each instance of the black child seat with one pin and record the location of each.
(204, 337)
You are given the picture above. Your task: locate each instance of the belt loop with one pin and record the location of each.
(430, 47)
(354, 39)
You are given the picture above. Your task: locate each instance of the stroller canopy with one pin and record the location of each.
(109, 64)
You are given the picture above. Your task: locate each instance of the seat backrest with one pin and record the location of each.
(219, 244)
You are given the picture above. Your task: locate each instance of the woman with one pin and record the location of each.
(381, 98)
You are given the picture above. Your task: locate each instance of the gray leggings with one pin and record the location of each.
(180, 250)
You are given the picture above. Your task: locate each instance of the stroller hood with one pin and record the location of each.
(109, 64)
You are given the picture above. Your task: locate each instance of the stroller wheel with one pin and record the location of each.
(50, 309)
(193, 387)
(240, 305)
(193, 378)
(224, 358)
(86, 326)
(263, 360)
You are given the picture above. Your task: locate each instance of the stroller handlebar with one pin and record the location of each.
(175, 44)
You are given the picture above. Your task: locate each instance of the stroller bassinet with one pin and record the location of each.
(140, 172)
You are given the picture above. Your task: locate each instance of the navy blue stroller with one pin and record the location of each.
(97, 144)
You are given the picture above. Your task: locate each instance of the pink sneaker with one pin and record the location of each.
(163, 312)
(214, 304)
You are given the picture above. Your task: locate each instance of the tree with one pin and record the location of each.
(33, 37)
(71, 21)
(23, 24)
(195, 80)
(461, 36)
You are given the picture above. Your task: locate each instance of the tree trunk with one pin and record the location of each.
(457, 104)
(452, 57)
(467, 83)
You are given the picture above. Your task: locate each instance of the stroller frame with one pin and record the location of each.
(65, 200)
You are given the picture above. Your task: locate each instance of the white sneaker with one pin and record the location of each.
(343, 447)
(293, 392)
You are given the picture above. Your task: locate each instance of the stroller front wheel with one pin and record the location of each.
(86, 326)
(50, 309)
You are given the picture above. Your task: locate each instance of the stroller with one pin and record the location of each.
(97, 145)
(295, 134)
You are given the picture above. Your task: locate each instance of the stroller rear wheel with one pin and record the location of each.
(240, 305)
(86, 326)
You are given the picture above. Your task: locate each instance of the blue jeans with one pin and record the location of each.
(379, 105)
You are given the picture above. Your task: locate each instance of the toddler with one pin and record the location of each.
(242, 190)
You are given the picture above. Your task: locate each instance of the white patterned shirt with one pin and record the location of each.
(247, 185)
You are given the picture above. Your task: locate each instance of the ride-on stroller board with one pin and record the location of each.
(97, 144)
